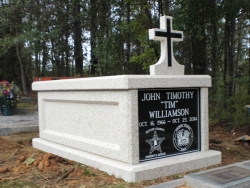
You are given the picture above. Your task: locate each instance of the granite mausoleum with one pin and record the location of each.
(136, 127)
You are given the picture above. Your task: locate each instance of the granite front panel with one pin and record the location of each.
(97, 122)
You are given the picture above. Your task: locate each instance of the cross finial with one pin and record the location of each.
(167, 65)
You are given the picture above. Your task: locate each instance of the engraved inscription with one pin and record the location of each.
(226, 175)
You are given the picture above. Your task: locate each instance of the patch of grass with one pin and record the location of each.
(119, 185)
(87, 172)
(18, 184)
(26, 105)
(36, 177)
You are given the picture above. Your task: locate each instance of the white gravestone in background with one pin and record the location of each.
(135, 127)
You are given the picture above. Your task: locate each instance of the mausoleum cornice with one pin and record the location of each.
(124, 82)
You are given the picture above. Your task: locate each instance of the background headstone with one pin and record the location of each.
(235, 175)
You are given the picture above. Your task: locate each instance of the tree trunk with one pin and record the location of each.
(228, 76)
(93, 36)
(128, 45)
(53, 56)
(67, 68)
(232, 58)
(44, 59)
(67, 71)
(199, 52)
(23, 76)
(37, 72)
(249, 70)
(214, 42)
(78, 54)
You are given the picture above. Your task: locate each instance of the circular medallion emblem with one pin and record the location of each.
(183, 137)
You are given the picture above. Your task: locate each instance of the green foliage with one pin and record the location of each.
(86, 171)
(229, 110)
(146, 58)
(47, 33)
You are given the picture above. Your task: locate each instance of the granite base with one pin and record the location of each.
(133, 173)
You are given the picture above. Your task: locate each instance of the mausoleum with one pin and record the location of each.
(135, 127)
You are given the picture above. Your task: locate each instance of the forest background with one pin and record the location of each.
(84, 38)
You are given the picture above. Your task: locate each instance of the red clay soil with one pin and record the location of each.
(21, 165)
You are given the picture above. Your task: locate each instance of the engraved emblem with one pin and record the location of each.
(155, 143)
(183, 137)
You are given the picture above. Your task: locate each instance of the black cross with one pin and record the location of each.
(169, 35)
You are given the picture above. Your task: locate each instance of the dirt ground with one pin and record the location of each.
(21, 165)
